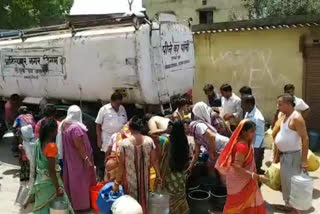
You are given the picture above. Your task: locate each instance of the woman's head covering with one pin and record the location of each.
(225, 159)
(202, 111)
(27, 133)
(23, 110)
(74, 116)
(125, 131)
(28, 141)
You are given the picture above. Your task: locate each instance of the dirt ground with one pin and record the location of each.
(9, 172)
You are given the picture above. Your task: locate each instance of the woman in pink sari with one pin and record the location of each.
(75, 150)
(236, 162)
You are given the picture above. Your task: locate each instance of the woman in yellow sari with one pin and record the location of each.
(237, 163)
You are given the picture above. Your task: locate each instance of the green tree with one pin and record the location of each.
(32, 13)
(268, 8)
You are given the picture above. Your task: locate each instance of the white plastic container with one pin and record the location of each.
(301, 192)
(126, 204)
(158, 203)
(59, 207)
(22, 194)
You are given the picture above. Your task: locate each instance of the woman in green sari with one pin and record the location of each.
(174, 162)
(48, 186)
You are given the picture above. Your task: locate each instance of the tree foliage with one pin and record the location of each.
(32, 13)
(268, 8)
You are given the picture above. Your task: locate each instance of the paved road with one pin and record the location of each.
(10, 184)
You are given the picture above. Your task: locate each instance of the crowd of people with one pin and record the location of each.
(228, 128)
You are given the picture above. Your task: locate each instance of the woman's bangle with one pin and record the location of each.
(116, 182)
(252, 176)
(86, 158)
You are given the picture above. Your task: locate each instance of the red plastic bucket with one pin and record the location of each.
(94, 192)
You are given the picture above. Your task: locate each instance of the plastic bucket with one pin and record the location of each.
(314, 137)
(59, 207)
(200, 170)
(217, 191)
(94, 193)
(22, 195)
(199, 201)
(301, 192)
(106, 198)
(218, 197)
(158, 203)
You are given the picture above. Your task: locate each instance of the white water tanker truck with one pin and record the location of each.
(148, 62)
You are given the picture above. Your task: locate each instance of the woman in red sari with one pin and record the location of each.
(236, 162)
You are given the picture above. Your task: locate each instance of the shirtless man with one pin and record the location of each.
(182, 109)
(157, 125)
(292, 145)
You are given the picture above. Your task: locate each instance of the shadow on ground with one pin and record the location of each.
(6, 155)
(272, 209)
(14, 172)
(316, 193)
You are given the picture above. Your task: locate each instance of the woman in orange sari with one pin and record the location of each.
(236, 162)
(112, 160)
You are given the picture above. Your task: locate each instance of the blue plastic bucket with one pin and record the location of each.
(106, 198)
(314, 137)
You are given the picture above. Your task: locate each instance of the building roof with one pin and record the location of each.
(98, 7)
(258, 24)
(8, 33)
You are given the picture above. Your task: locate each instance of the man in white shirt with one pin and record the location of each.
(300, 105)
(111, 118)
(231, 106)
(252, 113)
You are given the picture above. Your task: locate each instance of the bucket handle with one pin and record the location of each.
(216, 196)
(194, 188)
(115, 195)
(209, 195)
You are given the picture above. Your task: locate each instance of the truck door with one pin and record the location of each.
(160, 75)
(173, 59)
(177, 54)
